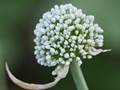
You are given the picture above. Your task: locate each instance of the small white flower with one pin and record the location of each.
(71, 28)
(67, 36)
(66, 42)
(74, 37)
(91, 18)
(89, 56)
(66, 55)
(77, 21)
(78, 59)
(52, 50)
(67, 63)
(78, 26)
(76, 32)
(62, 50)
(72, 55)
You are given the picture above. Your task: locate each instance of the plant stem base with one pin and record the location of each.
(78, 76)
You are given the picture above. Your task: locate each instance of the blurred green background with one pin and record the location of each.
(17, 22)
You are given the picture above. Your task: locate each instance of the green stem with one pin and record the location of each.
(78, 76)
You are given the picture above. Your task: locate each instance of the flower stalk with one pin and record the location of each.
(78, 76)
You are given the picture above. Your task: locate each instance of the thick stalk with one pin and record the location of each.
(78, 76)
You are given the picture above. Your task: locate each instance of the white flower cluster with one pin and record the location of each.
(64, 34)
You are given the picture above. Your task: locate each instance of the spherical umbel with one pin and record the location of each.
(64, 34)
